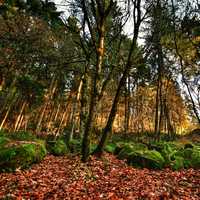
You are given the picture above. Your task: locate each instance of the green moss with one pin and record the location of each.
(129, 147)
(57, 147)
(20, 155)
(125, 152)
(149, 159)
(157, 160)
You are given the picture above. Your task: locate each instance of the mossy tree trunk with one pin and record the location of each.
(100, 13)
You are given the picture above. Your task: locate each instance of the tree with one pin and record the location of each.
(108, 127)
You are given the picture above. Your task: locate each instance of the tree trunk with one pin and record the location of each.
(50, 94)
(127, 106)
(19, 116)
(99, 150)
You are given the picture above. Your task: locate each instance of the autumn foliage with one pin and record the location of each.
(108, 178)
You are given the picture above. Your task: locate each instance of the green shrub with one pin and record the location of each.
(57, 147)
(187, 153)
(20, 155)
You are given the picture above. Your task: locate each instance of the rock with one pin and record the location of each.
(20, 154)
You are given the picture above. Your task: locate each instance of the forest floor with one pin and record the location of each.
(107, 178)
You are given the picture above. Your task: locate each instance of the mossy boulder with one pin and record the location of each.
(195, 132)
(20, 154)
(176, 154)
(126, 151)
(128, 147)
(149, 159)
(57, 147)
(181, 154)
(138, 155)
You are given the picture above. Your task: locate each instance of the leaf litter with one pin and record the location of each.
(67, 177)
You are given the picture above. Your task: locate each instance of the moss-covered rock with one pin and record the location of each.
(20, 154)
(149, 159)
(126, 151)
(129, 147)
(176, 155)
(138, 155)
(57, 147)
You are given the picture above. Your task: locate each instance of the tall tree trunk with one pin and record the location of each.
(53, 117)
(10, 95)
(5, 117)
(99, 150)
(19, 116)
(127, 106)
(50, 94)
(88, 125)
(100, 14)
(8, 111)
(161, 109)
(157, 109)
(20, 122)
(83, 102)
(95, 86)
